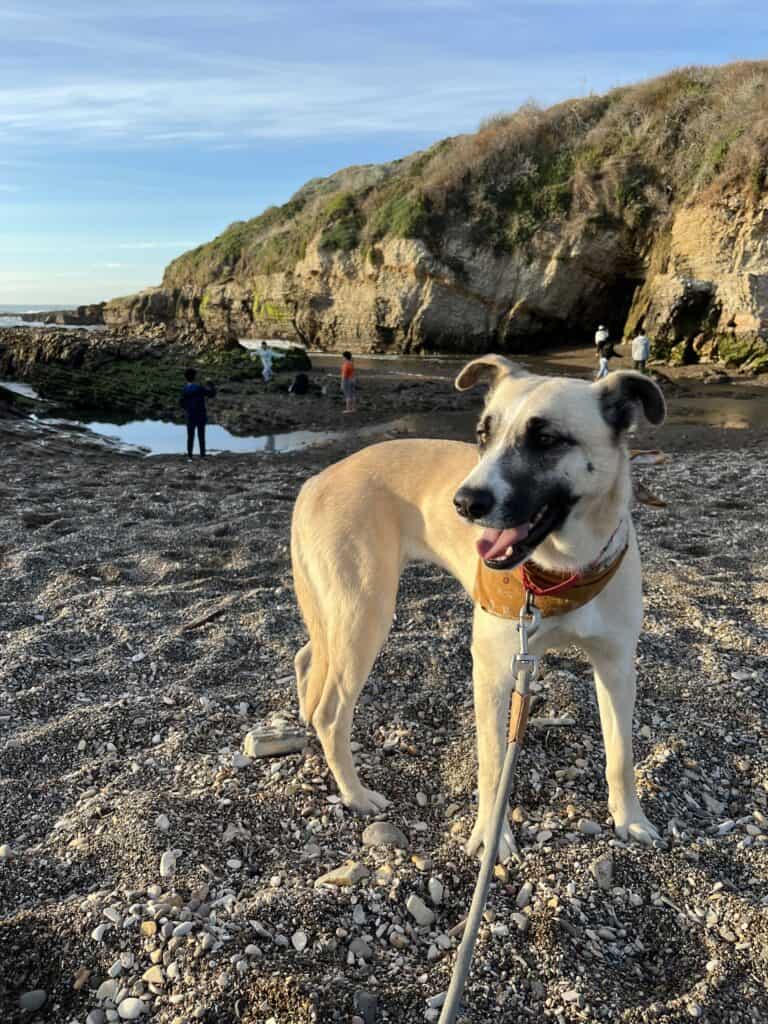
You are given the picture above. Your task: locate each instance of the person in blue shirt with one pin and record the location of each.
(193, 396)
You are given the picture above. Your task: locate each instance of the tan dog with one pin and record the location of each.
(552, 485)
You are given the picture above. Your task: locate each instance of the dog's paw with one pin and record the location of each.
(638, 828)
(476, 842)
(365, 801)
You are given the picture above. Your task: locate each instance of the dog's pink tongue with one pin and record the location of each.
(493, 543)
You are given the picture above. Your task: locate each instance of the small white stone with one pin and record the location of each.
(436, 890)
(419, 911)
(131, 1008)
(162, 822)
(274, 742)
(299, 941)
(182, 929)
(99, 931)
(167, 864)
(5, 852)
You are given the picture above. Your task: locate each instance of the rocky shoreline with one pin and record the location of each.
(150, 867)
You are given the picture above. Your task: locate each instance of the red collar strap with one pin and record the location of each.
(504, 593)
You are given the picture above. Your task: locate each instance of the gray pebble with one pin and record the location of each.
(33, 1000)
(366, 1005)
(523, 897)
(602, 872)
(589, 828)
(382, 833)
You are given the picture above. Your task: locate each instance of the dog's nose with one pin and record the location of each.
(473, 503)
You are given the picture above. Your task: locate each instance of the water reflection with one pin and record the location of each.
(159, 437)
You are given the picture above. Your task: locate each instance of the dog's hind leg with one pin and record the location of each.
(346, 585)
(615, 684)
(357, 632)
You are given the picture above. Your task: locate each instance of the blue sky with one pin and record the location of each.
(129, 133)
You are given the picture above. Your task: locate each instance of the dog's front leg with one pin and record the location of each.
(615, 684)
(493, 644)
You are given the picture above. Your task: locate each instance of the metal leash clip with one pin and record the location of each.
(528, 623)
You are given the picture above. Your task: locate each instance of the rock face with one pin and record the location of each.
(644, 208)
(83, 316)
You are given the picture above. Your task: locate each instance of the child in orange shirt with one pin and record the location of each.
(348, 382)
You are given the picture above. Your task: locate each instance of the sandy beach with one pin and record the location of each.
(148, 623)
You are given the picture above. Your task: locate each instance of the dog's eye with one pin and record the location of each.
(549, 440)
(542, 437)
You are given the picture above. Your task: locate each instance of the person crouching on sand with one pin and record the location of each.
(193, 396)
(348, 381)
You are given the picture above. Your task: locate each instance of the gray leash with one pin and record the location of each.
(523, 668)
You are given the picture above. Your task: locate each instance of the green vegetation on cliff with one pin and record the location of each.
(623, 159)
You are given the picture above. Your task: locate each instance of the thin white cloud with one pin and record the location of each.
(154, 245)
(279, 101)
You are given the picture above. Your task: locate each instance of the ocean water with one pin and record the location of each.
(9, 314)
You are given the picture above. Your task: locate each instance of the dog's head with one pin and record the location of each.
(547, 446)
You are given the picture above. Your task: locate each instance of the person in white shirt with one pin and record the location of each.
(602, 334)
(267, 355)
(641, 349)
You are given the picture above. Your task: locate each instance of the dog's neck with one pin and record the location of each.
(595, 532)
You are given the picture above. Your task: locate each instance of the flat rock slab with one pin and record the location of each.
(274, 741)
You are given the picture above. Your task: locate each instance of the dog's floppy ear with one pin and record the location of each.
(488, 370)
(620, 396)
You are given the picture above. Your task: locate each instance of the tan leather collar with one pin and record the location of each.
(503, 593)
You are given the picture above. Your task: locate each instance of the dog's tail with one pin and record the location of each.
(311, 662)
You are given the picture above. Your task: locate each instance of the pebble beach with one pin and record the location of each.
(154, 866)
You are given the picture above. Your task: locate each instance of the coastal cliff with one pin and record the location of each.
(646, 207)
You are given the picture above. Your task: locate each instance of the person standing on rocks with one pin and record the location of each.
(193, 396)
(602, 334)
(348, 381)
(267, 355)
(641, 349)
(605, 351)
